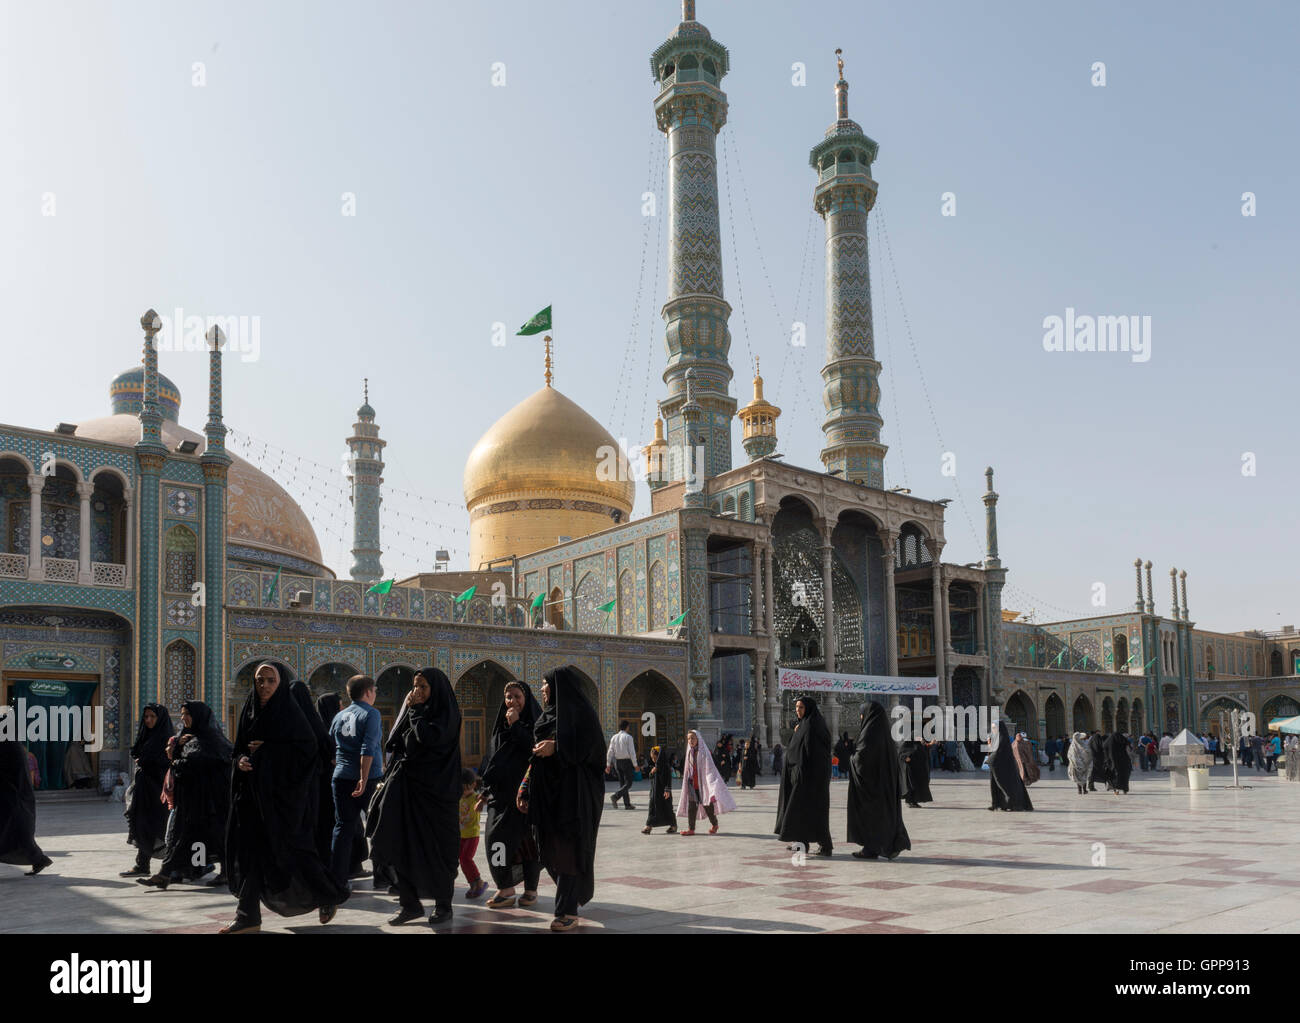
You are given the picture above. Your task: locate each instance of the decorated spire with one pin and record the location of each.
(150, 413)
(215, 430)
(841, 90)
(759, 421)
(366, 463)
(656, 455)
(548, 342)
(688, 10)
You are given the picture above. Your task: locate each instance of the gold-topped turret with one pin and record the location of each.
(759, 420)
(658, 470)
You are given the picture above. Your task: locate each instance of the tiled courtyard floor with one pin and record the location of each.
(1174, 861)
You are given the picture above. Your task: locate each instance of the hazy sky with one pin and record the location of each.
(220, 190)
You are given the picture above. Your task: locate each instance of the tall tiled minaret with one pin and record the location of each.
(691, 109)
(844, 196)
(216, 466)
(151, 455)
(366, 478)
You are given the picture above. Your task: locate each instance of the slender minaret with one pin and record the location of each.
(216, 465)
(151, 455)
(844, 196)
(656, 458)
(691, 109)
(759, 421)
(367, 476)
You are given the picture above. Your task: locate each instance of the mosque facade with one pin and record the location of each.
(140, 562)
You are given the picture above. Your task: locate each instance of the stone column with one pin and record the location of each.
(979, 619)
(1137, 572)
(940, 620)
(773, 709)
(756, 594)
(887, 538)
(828, 598)
(1151, 600)
(85, 577)
(35, 567)
(760, 695)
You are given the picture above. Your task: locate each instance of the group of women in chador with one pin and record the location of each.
(197, 788)
(18, 809)
(880, 776)
(1009, 777)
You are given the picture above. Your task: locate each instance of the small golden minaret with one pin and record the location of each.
(656, 458)
(759, 419)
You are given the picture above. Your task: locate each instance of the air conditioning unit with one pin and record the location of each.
(300, 598)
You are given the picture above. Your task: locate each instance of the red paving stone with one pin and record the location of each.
(1109, 886)
(985, 886)
(642, 882)
(877, 929)
(851, 912)
(730, 885)
(1202, 882)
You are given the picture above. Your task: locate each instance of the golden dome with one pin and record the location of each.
(548, 442)
(259, 512)
(545, 469)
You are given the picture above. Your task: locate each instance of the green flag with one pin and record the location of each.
(466, 595)
(679, 619)
(539, 323)
(270, 591)
(381, 587)
(1148, 667)
(1108, 657)
(607, 607)
(538, 601)
(1085, 660)
(1031, 651)
(1060, 655)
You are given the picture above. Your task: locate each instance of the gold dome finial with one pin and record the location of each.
(758, 382)
(547, 339)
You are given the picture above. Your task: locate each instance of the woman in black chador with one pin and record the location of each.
(661, 812)
(146, 814)
(328, 706)
(18, 812)
(1100, 765)
(749, 764)
(415, 827)
(1118, 764)
(803, 808)
(563, 792)
(1009, 792)
(270, 837)
(875, 817)
(914, 764)
(201, 784)
(511, 851)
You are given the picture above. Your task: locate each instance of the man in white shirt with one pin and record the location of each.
(622, 756)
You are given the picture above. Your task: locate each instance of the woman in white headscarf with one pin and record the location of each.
(1080, 762)
(702, 786)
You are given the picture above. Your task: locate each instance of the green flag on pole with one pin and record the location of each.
(538, 601)
(1085, 660)
(381, 587)
(1108, 656)
(466, 595)
(1060, 655)
(1148, 667)
(679, 619)
(270, 591)
(607, 607)
(539, 323)
(1031, 651)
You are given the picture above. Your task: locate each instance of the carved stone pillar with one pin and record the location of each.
(828, 596)
(35, 567)
(940, 605)
(756, 592)
(84, 574)
(128, 524)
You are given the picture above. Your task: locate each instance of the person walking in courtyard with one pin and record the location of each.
(145, 813)
(622, 757)
(1007, 787)
(1026, 763)
(914, 770)
(1080, 762)
(415, 830)
(702, 787)
(660, 811)
(201, 792)
(270, 835)
(875, 819)
(803, 809)
(469, 832)
(1143, 761)
(1097, 749)
(357, 733)
(1120, 766)
(563, 792)
(18, 810)
(749, 764)
(511, 850)
(778, 759)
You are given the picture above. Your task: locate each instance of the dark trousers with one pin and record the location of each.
(347, 818)
(626, 775)
(566, 893)
(410, 898)
(693, 808)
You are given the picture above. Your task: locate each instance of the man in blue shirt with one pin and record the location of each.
(358, 766)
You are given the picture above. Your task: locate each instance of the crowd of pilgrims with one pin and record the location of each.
(276, 816)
